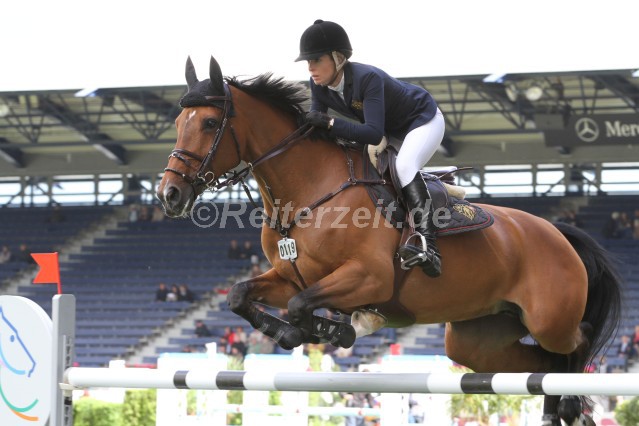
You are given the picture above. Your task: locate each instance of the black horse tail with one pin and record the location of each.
(603, 306)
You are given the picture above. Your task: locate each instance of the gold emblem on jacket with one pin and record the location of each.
(467, 211)
(357, 105)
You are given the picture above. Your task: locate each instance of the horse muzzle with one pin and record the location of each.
(176, 201)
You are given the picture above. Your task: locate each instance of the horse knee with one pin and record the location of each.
(298, 309)
(237, 297)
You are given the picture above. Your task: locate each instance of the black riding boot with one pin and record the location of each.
(425, 253)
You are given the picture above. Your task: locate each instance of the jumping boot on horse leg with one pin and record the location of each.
(426, 254)
(339, 334)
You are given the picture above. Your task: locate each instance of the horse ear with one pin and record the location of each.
(215, 74)
(191, 77)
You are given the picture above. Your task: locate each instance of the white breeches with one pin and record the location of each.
(418, 147)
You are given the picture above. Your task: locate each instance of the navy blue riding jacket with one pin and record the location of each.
(381, 103)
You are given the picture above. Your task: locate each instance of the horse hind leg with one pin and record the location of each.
(570, 350)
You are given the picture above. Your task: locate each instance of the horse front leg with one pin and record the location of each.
(351, 286)
(272, 290)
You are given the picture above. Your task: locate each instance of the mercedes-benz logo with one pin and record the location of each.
(587, 129)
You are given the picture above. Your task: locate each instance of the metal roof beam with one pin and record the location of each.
(113, 151)
(621, 87)
(11, 155)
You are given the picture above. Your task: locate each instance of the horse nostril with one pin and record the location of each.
(171, 195)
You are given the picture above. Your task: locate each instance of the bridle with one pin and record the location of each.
(204, 178)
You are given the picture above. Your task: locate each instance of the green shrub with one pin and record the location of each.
(92, 412)
(139, 407)
(627, 413)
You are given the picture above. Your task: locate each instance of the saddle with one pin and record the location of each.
(452, 213)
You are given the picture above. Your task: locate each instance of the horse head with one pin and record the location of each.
(14, 355)
(204, 150)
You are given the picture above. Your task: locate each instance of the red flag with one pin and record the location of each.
(49, 269)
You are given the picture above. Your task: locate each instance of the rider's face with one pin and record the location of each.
(322, 69)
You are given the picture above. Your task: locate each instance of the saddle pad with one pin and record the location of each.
(464, 217)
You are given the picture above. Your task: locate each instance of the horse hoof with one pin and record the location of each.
(346, 336)
(290, 338)
(569, 409)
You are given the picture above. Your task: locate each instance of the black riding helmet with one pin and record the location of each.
(323, 37)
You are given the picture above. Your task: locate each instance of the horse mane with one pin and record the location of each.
(287, 96)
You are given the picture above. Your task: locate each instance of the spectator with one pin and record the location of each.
(625, 226)
(144, 215)
(258, 343)
(5, 255)
(236, 352)
(570, 217)
(23, 254)
(158, 214)
(161, 293)
(256, 271)
(172, 295)
(185, 294)
(230, 338)
(134, 213)
(626, 349)
(635, 341)
(635, 225)
(240, 334)
(248, 252)
(201, 330)
(241, 340)
(611, 228)
(56, 215)
(234, 250)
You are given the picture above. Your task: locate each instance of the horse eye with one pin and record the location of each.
(210, 123)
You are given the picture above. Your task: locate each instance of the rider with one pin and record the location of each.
(382, 105)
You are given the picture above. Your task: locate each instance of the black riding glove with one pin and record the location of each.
(319, 119)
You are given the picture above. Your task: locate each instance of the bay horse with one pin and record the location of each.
(522, 276)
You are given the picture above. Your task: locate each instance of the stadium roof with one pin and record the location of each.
(491, 119)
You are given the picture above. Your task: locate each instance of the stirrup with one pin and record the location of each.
(417, 256)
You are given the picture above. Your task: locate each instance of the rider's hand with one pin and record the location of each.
(320, 119)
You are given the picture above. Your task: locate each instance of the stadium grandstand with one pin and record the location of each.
(78, 173)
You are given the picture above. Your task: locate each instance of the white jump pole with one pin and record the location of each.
(437, 383)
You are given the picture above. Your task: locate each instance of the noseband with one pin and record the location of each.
(205, 178)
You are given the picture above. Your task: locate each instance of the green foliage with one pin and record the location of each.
(191, 402)
(91, 412)
(234, 396)
(139, 407)
(627, 413)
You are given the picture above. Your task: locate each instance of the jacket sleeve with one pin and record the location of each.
(316, 104)
(371, 131)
